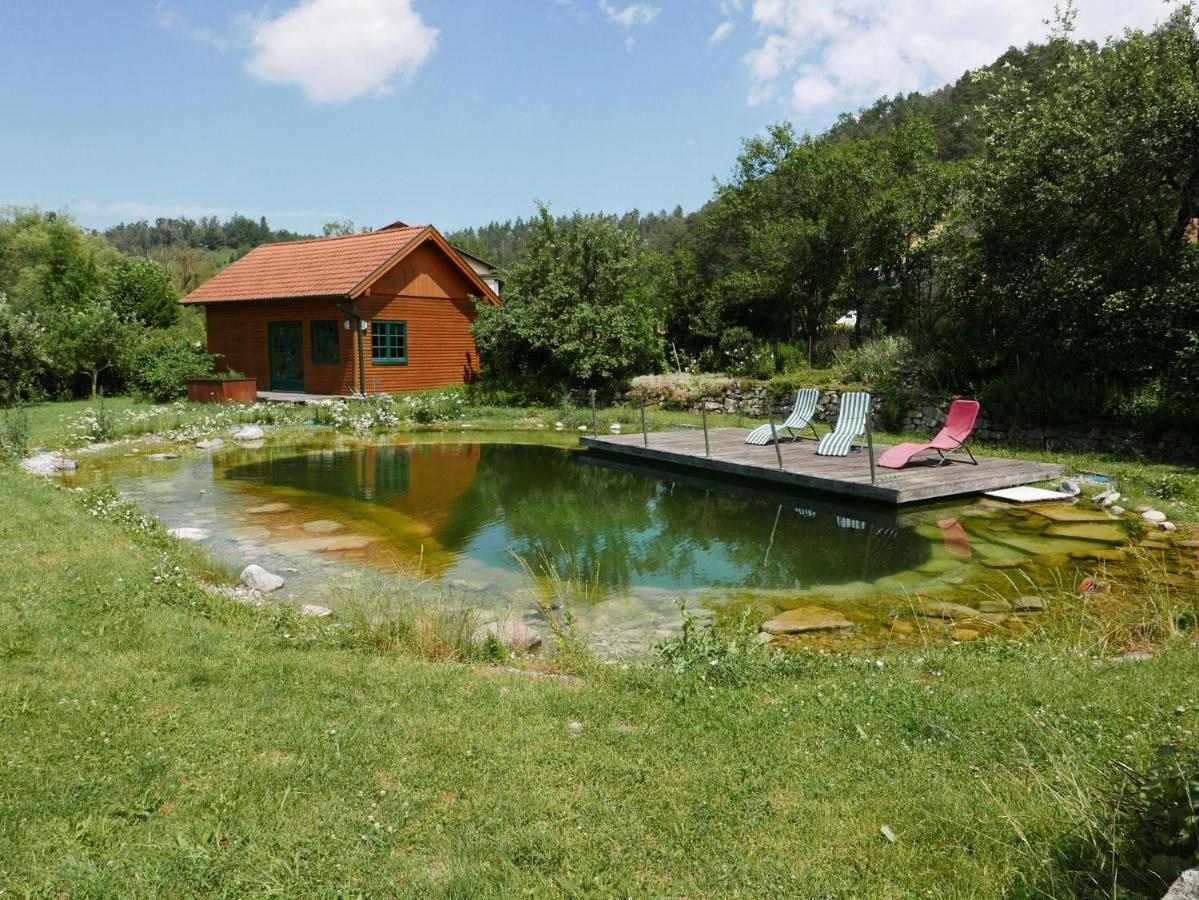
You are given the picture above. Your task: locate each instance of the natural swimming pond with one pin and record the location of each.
(458, 511)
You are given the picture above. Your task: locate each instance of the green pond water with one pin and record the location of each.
(456, 511)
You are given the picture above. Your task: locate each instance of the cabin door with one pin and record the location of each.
(286, 341)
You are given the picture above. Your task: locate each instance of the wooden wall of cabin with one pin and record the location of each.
(430, 293)
(238, 331)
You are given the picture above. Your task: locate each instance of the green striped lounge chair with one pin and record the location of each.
(801, 417)
(851, 422)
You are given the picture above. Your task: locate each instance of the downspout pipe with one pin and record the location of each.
(361, 353)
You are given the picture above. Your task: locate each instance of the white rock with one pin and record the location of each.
(314, 611)
(160, 457)
(210, 444)
(1070, 487)
(582, 428)
(1116, 510)
(1167, 526)
(47, 464)
(614, 427)
(511, 632)
(1186, 887)
(559, 425)
(249, 433)
(1153, 515)
(258, 578)
(575, 727)
(187, 533)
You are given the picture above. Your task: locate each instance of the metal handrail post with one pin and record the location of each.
(774, 435)
(703, 409)
(594, 420)
(870, 446)
(644, 432)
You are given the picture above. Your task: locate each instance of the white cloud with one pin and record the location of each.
(336, 50)
(723, 30)
(837, 54)
(630, 16)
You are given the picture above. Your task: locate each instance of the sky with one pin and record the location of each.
(452, 113)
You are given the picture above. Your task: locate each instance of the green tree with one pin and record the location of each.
(1082, 270)
(140, 290)
(572, 315)
(22, 354)
(87, 339)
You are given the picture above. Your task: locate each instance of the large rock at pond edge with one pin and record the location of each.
(259, 579)
(1186, 887)
(805, 618)
(210, 444)
(514, 634)
(249, 433)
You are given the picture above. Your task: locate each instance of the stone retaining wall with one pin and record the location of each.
(924, 414)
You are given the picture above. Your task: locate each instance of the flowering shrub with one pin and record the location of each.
(107, 504)
(93, 424)
(424, 409)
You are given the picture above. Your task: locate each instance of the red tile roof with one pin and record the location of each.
(320, 267)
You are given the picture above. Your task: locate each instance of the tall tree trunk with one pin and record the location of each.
(95, 379)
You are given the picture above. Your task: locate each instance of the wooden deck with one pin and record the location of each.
(804, 470)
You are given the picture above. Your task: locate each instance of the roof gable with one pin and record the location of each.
(321, 267)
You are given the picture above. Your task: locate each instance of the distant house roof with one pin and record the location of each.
(319, 267)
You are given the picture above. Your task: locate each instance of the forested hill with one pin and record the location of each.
(503, 243)
(952, 109)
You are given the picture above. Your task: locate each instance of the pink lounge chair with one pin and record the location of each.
(954, 436)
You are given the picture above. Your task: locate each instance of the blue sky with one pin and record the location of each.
(454, 113)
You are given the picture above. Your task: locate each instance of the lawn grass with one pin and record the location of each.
(155, 740)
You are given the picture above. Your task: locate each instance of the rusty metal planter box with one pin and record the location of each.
(212, 390)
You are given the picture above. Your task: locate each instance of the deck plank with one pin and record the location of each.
(803, 469)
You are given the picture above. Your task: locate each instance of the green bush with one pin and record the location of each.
(887, 361)
(159, 363)
(14, 434)
(743, 354)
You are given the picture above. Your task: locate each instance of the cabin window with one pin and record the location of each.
(389, 342)
(325, 342)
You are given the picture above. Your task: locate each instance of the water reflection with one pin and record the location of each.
(480, 502)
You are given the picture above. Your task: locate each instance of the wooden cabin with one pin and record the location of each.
(386, 311)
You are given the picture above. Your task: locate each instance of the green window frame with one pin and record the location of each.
(325, 341)
(389, 342)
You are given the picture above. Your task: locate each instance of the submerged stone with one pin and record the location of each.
(1060, 512)
(805, 618)
(939, 609)
(188, 533)
(1029, 603)
(1103, 532)
(322, 526)
(1100, 554)
(994, 606)
(268, 508)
